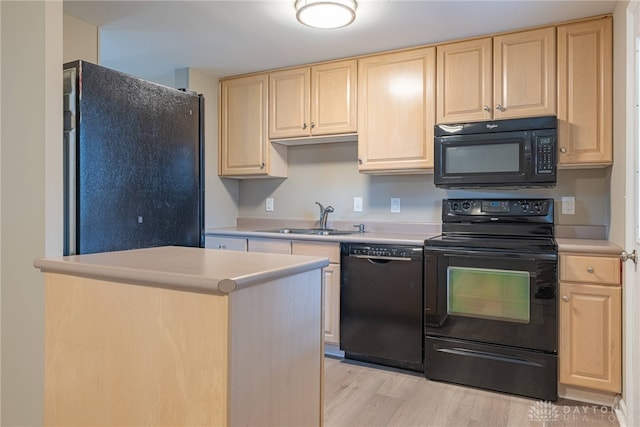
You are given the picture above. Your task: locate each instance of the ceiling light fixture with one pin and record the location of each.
(326, 13)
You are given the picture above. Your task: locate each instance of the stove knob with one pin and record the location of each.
(525, 206)
(538, 206)
(454, 206)
(466, 205)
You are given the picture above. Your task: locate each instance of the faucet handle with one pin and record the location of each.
(360, 227)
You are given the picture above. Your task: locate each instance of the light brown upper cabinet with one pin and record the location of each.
(396, 112)
(507, 76)
(244, 148)
(313, 101)
(585, 93)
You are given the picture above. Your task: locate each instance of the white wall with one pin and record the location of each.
(621, 92)
(621, 225)
(329, 174)
(80, 40)
(221, 196)
(31, 129)
(0, 222)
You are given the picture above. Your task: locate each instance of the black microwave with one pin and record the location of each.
(518, 153)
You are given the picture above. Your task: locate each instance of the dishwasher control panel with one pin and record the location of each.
(389, 251)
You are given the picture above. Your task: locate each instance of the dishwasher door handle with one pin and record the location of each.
(380, 258)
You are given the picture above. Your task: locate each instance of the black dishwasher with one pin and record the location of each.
(381, 318)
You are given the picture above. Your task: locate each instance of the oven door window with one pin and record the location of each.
(489, 293)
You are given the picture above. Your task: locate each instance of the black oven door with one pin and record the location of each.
(498, 297)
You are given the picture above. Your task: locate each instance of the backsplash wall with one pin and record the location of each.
(328, 173)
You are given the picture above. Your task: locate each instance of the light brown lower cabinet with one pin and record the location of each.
(331, 276)
(590, 351)
(331, 299)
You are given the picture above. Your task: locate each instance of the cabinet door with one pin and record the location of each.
(332, 304)
(226, 243)
(465, 81)
(243, 126)
(331, 300)
(590, 349)
(396, 111)
(585, 93)
(289, 114)
(524, 74)
(333, 98)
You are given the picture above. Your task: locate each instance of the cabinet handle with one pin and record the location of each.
(633, 256)
(487, 108)
(565, 298)
(313, 125)
(563, 150)
(221, 246)
(589, 269)
(262, 165)
(499, 107)
(304, 126)
(359, 161)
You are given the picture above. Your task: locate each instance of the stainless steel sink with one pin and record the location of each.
(311, 231)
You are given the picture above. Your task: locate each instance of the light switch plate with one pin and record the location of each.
(357, 204)
(568, 205)
(268, 204)
(395, 205)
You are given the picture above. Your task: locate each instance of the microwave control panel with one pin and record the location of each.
(545, 152)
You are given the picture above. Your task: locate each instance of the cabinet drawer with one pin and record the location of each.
(329, 250)
(590, 269)
(271, 246)
(228, 243)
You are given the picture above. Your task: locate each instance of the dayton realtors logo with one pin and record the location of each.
(547, 412)
(544, 412)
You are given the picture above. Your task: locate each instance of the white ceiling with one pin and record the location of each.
(153, 38)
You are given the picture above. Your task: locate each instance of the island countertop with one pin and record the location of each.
(184, 268)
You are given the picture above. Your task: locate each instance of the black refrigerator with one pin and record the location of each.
(133, 162)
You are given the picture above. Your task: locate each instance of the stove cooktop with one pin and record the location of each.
(523, 225)
(514, 243)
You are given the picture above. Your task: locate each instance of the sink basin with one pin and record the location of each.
(312, 231)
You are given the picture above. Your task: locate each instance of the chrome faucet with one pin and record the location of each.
(324, 213)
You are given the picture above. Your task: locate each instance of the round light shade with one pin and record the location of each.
(326, 13)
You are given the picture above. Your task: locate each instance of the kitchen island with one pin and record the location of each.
(183, 336)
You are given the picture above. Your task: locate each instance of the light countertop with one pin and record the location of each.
(379, 232)
(590, 246)
(392, 238)
(189, 269)
(585, 239)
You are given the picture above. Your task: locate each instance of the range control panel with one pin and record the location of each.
(497, 207)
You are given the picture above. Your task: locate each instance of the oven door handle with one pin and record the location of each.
(480, 254)
(485, 355)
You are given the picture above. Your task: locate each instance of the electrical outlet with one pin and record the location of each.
(357, 204)
(568, 205)
(268, 204)
(395, 205)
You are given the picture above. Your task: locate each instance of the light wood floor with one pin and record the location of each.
(359, 394)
